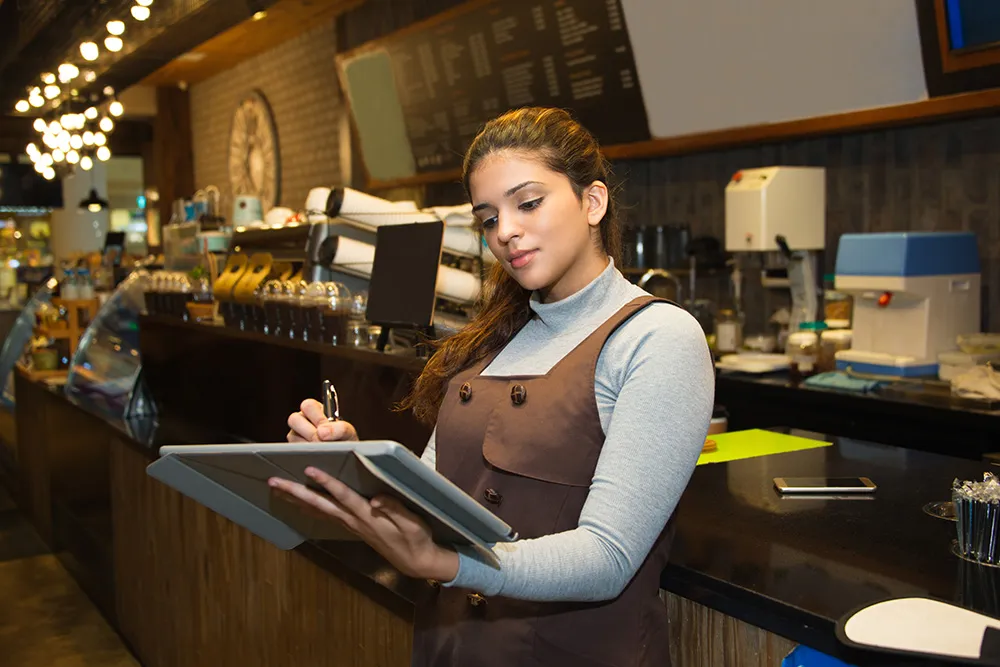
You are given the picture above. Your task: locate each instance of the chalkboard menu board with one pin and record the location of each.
(420, 97)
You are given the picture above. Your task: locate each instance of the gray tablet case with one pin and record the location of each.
(232, 481)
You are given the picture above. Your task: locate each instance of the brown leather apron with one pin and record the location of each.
(527, 448)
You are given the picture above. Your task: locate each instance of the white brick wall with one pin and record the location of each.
(299, 80)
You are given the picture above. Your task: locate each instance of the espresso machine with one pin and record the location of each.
(780, 213)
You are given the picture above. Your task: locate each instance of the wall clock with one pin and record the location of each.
(254, 159)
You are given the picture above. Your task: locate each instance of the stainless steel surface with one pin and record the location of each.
(666, 275)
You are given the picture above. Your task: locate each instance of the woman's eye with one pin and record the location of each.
(531, 205)
(489, 222)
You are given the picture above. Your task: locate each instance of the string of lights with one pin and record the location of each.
(73, 131)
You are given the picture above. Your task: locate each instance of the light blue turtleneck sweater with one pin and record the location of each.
(655, 389)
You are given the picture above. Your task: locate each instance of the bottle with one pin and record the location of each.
(728, 332)
(85, 286)
(69, 289)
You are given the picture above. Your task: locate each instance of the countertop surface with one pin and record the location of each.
(793, 566)
(799, 563)
(898, 394)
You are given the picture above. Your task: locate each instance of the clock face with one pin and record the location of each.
(254, 161)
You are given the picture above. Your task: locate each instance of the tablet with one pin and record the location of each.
(232, 480)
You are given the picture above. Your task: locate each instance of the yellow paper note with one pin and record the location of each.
(738, 445)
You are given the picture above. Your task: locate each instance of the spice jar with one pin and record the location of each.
(803, 348)
(728, 332)
(832, 341)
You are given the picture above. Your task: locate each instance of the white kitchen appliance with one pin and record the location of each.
(914, 293)
(780, 209)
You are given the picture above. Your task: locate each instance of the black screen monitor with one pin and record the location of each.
(404, 274)
(23, 187)
(972, 24)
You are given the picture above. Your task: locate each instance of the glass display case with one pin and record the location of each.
(105, 376)
(19, 337)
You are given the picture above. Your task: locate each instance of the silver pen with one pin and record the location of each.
(331, 406)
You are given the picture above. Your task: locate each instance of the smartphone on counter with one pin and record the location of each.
(824, 485)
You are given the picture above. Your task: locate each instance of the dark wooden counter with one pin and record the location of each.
(796, 565)
(909, 421)
(751, 573)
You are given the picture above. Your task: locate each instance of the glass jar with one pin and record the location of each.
(831, 342)
(272, 307)
(728, 332)
(803, 348)
(336, 312)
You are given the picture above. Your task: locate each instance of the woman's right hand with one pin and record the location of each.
(310, 424)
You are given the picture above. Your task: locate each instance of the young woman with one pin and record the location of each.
(574, 406)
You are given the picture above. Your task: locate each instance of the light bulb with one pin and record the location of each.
(144, 3)
(39, 167)
(116, 108)
(116, 27)
(90, 113)
(52, 92)
(55, 128)
(72, 157)
(49, 141)
(90, 51)
(86, 163)
(109, 91)
(66, 120)
(76, 142)
(46, 160)
(68, 72)
(36, 101)
(90, 76)
(48, 77)
(113, 44)
(58, 155)
(32, 149)
(49, 173)
(140, 13)
(40, 125)
(107, 124)
(22, 106)
(100, 139)
(88, 138)
(63, 137)
(103, 153)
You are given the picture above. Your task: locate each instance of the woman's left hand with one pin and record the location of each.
(383, 522)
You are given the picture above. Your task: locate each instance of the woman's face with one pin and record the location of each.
(545, 236)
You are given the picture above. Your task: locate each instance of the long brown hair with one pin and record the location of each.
(562, 145)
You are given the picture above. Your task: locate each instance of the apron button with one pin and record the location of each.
(492, 496)
(475, 599)
(465, 393)
(518, 394)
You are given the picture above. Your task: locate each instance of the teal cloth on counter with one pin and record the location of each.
(842, 382)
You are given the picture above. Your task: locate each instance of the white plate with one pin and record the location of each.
(754, 362)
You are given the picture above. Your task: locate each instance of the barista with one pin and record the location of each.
(574, 406)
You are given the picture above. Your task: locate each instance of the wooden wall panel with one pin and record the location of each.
(195, 589)
(703, 637)
(173, 151)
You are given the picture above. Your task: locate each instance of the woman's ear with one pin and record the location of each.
(595, 198)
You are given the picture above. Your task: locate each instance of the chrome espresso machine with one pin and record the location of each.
(285, 278)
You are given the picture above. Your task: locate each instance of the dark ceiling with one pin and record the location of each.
(37, 35)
